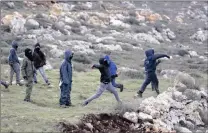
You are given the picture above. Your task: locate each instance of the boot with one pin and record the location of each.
(158, 92)
(139, 94)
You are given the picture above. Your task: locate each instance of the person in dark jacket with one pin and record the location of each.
(150, 64)
(39, 61)
(28, 71)
(105, 80)
(14, 64)
(113, 73)
(4, 84)
(66, 80)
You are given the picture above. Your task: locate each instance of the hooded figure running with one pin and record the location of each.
(14, 64)
(66, 80)
(105, 80)
(150, 64)
(28, 71)
(39, 62)
(113, 73)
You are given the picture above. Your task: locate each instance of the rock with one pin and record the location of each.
(89, 125)
(132, 116)
(109, 47)
(193, 53)
(180, 87)
(10, 5)
(169, 34)
(146, 38)
(119, 23)
(145, 117)
(59, 26)
(192, 94)
(178, 96)
(204, 115)
(200, 35)
(204, 94)
(31, 24)
(199, 131)
(182, 130)
(195, 118)
(187, 124)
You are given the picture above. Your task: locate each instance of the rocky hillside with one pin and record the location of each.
(126, 28)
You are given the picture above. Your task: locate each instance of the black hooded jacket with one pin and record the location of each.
(104, 71)
(38, 57)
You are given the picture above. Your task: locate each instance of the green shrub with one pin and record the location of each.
(81, 58)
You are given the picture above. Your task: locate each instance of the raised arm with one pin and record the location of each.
(158, 56)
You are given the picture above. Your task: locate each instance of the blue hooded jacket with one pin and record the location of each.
(12, 54)
(66, 68)
(150, 63)
(112, 66)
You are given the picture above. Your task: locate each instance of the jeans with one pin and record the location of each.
(15, 68)
(42, 72)
(101, 89)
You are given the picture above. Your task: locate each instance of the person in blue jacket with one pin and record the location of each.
(150, 65)
(113, 73)
(14, 64)
(66, 80)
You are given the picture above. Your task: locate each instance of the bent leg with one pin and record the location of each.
(99, 92)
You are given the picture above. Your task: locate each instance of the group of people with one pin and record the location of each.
(35, 60)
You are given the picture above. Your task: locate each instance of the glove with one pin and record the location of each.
(25, 77)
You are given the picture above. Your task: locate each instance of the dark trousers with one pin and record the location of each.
(65, 98)
(150, 78)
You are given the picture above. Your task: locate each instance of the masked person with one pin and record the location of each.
(105, 81)
(150, 65)
(39, 61)
(66, 80)
(14, 64)
(28, 70)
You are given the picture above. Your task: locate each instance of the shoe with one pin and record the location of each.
(6, 86)
(122, 87)
(20, 84)
(139, 94)
(85, 104)
(27, 100)
(158, 92)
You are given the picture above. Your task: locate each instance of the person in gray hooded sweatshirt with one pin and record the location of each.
(14, 64)
(66, 80)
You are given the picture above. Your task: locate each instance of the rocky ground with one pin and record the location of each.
(127, 29)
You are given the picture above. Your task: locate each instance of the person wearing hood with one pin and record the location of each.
(14, 64)
(150, 65)
(113, 73)
(66, 80)
(105, 80)
(39, 61)
(28, 71)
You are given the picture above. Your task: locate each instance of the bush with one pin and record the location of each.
(131, 21)
(127, 47)
(133, 74)
(183, 52)
(79, 67)
(81, 58)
